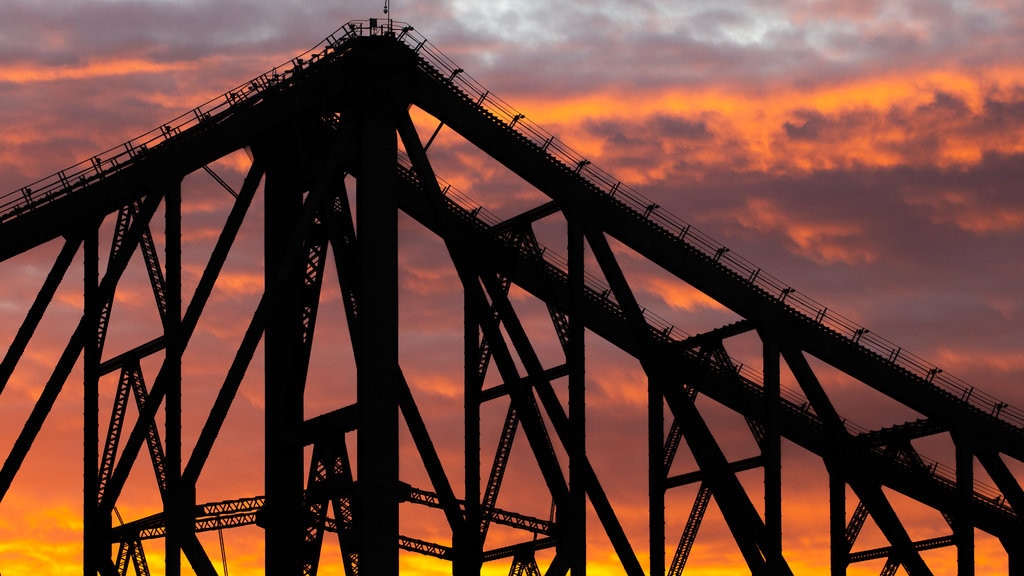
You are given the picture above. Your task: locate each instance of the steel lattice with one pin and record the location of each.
(313, 127)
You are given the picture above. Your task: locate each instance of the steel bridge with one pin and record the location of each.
(338, 115)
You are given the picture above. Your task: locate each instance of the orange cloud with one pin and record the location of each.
(938, 118)
(964, 360)
(233, 284)
(618, 385)
(424, 280)
(871, 122)
(824, 242)
(962, 211)
(442, 385)
(680, 295)
(31, 72)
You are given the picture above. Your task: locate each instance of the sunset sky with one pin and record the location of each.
(870, 154)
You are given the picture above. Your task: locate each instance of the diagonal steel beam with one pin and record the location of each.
(742, 518)
(503, 451)
(689, 535)
(522, 397)
(156, 450)
(560, 422)
(869, 491)
(534, 425)
(36, 310)
(189, 321)
(1005, 480)
(113, 437)
(247, 348)
(428, 454)
(64, 364)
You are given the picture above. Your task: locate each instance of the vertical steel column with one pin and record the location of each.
(377, 379)
(772, 452)
(576, 529)
(839, 546)
(1014, 561)
(95, 530)
(284, 470)
(656, 474)
(177, 508)
(963, 524)
(468, 547)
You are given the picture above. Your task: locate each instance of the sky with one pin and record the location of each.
(869, 154)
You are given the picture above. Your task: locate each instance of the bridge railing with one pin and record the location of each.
(664, 328)
(661, 328)
(217, 109)
(746, 376)
(213, 111)
(771, 286)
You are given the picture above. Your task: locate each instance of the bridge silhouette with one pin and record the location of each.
(339, 114)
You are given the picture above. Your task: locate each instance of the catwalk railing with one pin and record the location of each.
(437, 64)
(214, 111)
(79, 177)
(794, 404)
(281, 77)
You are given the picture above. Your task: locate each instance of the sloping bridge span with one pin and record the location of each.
(341, 111)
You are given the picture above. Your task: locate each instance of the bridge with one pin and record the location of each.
(338, 159)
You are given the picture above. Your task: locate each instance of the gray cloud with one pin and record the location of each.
(932, 251)
(573, 47)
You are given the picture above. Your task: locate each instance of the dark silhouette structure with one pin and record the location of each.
(337, 114)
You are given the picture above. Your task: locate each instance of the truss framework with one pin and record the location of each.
(341, 112)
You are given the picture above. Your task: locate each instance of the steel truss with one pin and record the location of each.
(341, 112)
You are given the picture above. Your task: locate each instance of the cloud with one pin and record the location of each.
(733, 43)
(963, 211)
(866, 153)
(823, 242)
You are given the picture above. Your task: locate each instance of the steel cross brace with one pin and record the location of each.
(63, 366)
(144, 428)
(869, 492)
(527, 408)
(345, 245)
(191, 317)
(740, 514)
(560, 422)
(535, 429)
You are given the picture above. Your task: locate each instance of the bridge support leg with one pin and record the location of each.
(656, 474)
(772, 451)
(577, 533)
(94, 530)
(1015, 561)
(284, 471)
(377, 361)
(963, 526)
(837, 524)
(177, 504)
(468, 546)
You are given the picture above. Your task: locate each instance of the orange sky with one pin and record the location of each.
(871, 157)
